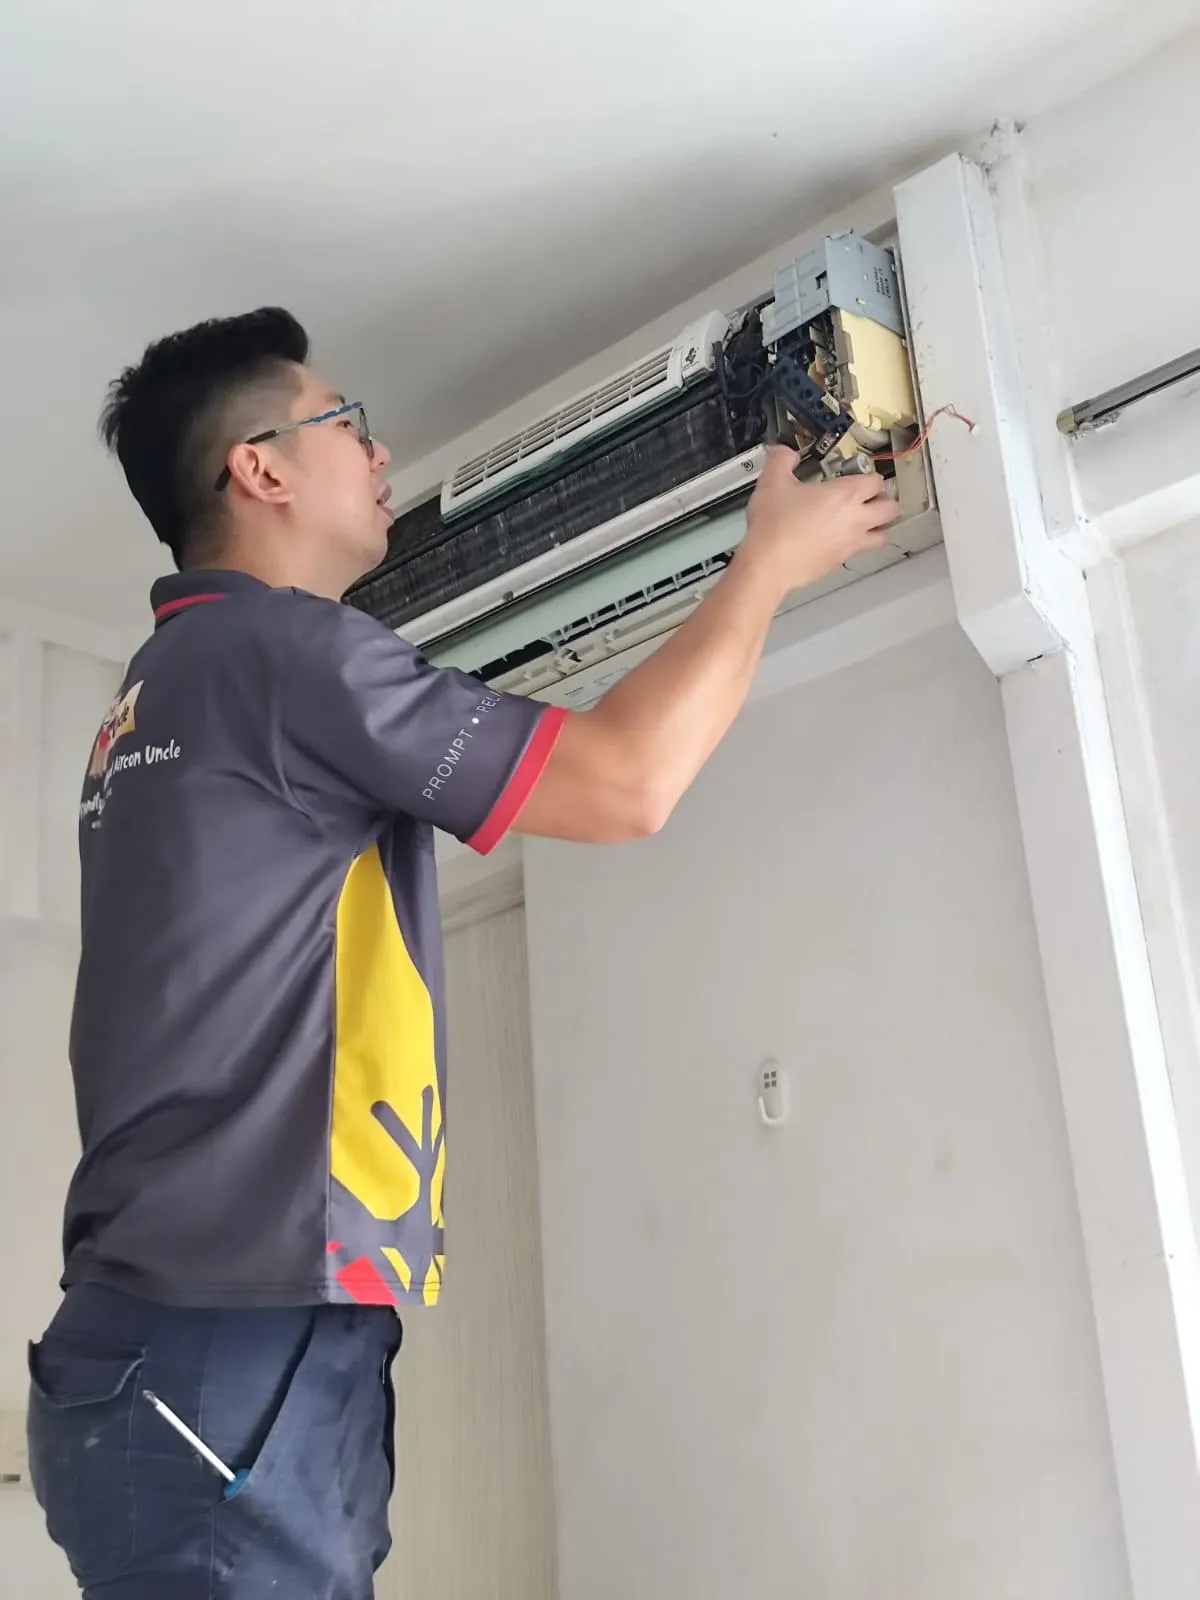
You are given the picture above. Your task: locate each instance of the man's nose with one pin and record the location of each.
(382, 455)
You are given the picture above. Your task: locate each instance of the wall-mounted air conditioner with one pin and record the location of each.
(555, 558)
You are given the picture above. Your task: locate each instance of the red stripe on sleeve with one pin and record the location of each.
(520, 786)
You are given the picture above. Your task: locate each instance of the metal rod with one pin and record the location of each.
(1108, 405)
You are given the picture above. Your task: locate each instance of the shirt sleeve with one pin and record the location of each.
(367, 712)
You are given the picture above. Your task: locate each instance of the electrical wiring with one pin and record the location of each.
(899, 455)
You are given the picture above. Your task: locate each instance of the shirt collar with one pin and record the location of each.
(182, 590)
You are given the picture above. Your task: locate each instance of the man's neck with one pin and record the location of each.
(278, 571)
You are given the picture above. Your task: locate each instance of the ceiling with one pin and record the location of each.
(459, 201)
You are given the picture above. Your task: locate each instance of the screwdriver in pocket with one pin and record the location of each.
(233, 1480)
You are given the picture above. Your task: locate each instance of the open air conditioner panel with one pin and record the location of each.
(431, 563)
(571, 641)
(567, 551)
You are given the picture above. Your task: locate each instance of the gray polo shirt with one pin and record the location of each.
(258, 1041)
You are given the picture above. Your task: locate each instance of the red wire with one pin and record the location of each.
(899, 455)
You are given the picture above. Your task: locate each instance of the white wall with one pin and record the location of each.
(860, 1355)
(854, 1357)
(52, 709)
(1147, 607)
(1163, 580)
(37, 1151)
(1112, 179)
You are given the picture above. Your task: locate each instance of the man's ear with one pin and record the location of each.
(256, 470)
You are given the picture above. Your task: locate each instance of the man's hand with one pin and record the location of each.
(619, 769)
(802, 531)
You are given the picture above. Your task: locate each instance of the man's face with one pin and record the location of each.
(340, 489)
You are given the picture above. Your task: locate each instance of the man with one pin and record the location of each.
(257, 1042)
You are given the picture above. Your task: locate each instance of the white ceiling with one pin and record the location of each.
(460, 201)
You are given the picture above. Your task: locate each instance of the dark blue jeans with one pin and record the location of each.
(301, 1397)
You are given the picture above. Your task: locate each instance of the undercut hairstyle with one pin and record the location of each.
(172, 419)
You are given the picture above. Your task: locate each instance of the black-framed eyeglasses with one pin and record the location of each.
(351, 406)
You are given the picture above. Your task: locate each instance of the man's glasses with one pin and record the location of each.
(352, 407)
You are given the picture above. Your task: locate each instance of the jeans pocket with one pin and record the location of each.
(310, 1515)
(81, 1399)
(276, 1437)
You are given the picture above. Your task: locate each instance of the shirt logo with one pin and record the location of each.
(118, 721)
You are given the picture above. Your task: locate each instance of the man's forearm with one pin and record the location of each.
(667, 716)
(618, 769)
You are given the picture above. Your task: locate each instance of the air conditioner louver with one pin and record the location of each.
(650, 376)
(645, 384)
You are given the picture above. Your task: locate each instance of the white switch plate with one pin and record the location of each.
(14, 1452)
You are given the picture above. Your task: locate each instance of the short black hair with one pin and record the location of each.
(171, 419)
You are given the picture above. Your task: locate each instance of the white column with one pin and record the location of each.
(1009, 515)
